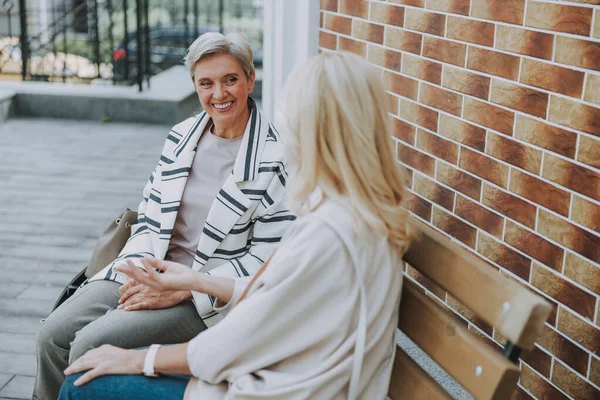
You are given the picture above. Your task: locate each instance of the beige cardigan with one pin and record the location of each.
(293, 336)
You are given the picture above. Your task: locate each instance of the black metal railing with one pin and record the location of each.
(113, 41)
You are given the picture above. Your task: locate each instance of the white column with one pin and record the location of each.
(291, 35)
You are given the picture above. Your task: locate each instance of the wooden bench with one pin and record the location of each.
(516, 313)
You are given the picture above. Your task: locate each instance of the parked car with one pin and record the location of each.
(167, 49)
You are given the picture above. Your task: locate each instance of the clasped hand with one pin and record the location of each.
(147, 289)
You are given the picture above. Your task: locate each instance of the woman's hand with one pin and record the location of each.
(142, 297)
(175, 276)
(107, 360)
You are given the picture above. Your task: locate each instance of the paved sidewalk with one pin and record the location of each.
(60, 184)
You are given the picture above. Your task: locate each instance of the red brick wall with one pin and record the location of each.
(496, 113)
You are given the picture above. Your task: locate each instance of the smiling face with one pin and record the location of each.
(223, 90)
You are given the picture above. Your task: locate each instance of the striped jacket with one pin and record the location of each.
(245, 222)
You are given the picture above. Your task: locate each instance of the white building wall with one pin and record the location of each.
(291, 35)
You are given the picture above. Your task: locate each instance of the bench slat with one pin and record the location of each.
(516, 313)
(454, 348)
(410, 381)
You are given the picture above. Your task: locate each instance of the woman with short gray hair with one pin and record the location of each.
(215, 204)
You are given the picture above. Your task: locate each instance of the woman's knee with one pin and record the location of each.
(54, 333)
(82, 344)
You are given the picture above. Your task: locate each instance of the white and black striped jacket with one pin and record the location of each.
(246, 220)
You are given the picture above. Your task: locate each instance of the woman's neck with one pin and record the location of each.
(232, 131)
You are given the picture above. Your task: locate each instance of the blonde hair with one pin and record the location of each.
(214, 43)
(336, 113)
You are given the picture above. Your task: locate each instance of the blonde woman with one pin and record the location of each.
(318, 319)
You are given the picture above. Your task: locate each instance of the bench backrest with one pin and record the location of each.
(483, 295)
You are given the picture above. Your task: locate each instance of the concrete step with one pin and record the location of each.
(6, 103)
(169, 99)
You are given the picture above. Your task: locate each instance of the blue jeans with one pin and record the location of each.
(126, 387)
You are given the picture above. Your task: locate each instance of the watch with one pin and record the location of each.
(148, 369)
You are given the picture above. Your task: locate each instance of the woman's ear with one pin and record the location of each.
(251, 82)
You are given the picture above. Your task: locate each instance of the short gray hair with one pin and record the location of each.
(214, 43)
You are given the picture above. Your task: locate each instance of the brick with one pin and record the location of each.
(426, 282)
(437, 146)
(403, 40)
(387, 14)
(519, 98)
(458, 180)
(494, 63)
(522, 41)
(441, 99)
(367, 31)
(582, 272)
(511, 11)
(540, 192)
(426, 22)
(579, 240)
(582, 332)
(538, 386)
(404, 131)
(444, 50)
(421, 68)
(414, 3)
(595, 371)
(356, 8)
(462, 132)
(543, 135)
(353, 46)
(450, 6)
(509, 205)
(418, 206)
(534, 245)
(520, 394)
(559, 18)
(454, 227)
(589, 151)
(596, 32)
(468, 30)
(575, 177)
(419, 115)
(568, 294)
(514, 153)
(538, 360)
(417, 160)
(469, 315)
(436, 193)
(592, 88)
(327, 40)
(329, 5)
(580, 53)
(467, 82)
(558, 344)
(385, 58)
(489, 116)
(504, 256)
(552, 77)
(586, 213)
(338, 24)
(572, 384)
(484, 167)
(394, 102)
(401, 85)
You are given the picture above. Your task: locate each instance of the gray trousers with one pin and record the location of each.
(90, 319)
